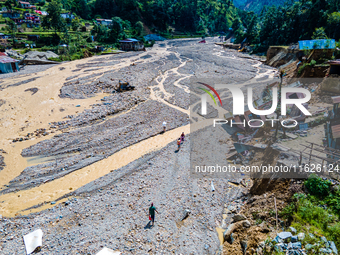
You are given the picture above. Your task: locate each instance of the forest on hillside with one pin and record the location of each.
(185, 15)
(289, 23)
(274, 25)
(278, 24)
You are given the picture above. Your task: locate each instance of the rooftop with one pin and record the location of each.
(5, 59)
(128, 40)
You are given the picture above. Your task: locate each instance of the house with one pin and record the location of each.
(33, 37)
(8, 65)
(11, 15)
(321, 48)
(3, 36)
(67, 15)
(32, 17)
(105, 22)
(332, 127)
(131, 44)
(24, 5)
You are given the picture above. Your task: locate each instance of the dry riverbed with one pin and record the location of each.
(86, 161)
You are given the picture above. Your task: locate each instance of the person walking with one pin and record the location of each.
(179, 143)
(164, 126)
(182, 137)
(152, 211)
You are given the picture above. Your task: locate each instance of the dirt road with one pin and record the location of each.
(81, 140)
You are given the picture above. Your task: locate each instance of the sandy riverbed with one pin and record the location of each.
(91, 132)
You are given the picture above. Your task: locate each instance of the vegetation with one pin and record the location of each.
(259, 23)
(318, 212)
(294, 21)
(255, 5)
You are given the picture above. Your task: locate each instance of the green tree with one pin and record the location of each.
(117, 30)
(319, 33)
(75, 23)
(11, 28)
(139, 27)
(8, 5)
(53, 20)
(334, 25)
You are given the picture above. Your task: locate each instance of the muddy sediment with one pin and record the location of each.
(106, 148)
(94, 142)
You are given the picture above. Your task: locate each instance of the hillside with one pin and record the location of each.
(256, 5)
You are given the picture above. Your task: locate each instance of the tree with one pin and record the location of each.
(75, 23)
(139, 27)
(117, 30)
(319, 33)
(12, 28)
(8, 5)
(334, 25)
(53, 20)
(85, 10)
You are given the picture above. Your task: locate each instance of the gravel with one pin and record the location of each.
(112, 211)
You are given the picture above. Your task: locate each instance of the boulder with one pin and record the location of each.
(301, 236)
(333, 247)
(324, 239)
(284, 235)
(280, 247)
(232, 227)
(325, 250)
(264, 227)
(239, 217)
(296, 245)
(293, 230)
(294, 239)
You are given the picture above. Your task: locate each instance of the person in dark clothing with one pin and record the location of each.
(152, 211)
(182, 137)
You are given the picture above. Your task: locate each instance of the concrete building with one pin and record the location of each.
(7, 64)
(105, 22)
(131, 44)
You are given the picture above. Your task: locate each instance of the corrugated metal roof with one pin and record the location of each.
(317, 44)
(5, 59)
(129, 40)
(336, 100)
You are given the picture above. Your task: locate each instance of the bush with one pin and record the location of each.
(309, 215)
(317, 186)
(312, 62)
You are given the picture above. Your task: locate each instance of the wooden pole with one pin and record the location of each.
(275, 213)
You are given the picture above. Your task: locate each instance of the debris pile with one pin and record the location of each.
(40, 55)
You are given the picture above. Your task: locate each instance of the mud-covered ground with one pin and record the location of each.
(112, 210)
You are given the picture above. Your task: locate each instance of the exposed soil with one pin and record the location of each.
(261, 212)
